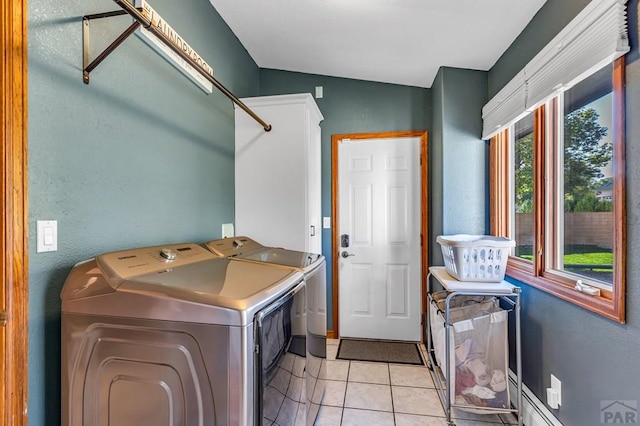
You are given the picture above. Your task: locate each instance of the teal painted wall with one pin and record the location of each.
(436, 177)
(464, 157)
(139, 157)
(459, 158)
(594, 358)
(351, 106)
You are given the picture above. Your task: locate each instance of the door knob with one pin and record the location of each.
(346, 254)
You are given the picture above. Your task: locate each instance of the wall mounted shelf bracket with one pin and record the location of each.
(141, 20)
(87, 64)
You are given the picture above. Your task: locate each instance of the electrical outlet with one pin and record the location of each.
(552, 398)
(227, 230)
(556, 385)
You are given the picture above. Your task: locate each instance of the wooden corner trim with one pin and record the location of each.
(13, 197)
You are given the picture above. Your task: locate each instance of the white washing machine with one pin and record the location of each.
(313, 342)
(172, 335)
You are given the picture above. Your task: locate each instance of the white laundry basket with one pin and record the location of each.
(481, 258)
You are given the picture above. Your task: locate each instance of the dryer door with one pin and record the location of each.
(279, 363)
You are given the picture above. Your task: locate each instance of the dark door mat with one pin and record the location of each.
(379, 351)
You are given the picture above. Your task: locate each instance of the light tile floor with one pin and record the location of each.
(373, 393)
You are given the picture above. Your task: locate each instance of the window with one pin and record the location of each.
(558, 189)
(522, 188)
(584, 164)
(557, 162)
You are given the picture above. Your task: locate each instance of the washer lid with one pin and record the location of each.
(278, 256)
(203, 288)
(231, 247)
(218, 282)
(248, 249)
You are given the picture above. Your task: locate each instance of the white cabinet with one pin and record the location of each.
(278, 173)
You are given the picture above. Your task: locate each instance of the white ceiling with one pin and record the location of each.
(391, 41)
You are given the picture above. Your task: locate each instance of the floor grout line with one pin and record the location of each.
(393, 407)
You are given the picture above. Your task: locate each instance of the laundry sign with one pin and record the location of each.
(166, 52)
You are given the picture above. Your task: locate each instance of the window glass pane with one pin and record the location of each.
(523, 187)
(587, 240)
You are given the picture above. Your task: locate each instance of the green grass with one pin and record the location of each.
(577, 255)
(599, 258)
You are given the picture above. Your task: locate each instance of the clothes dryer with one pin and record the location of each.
(314, 314)
(172, 335)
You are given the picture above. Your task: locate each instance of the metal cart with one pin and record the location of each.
(502, 290)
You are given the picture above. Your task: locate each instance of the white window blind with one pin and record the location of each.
(505, 108)
(595, 37)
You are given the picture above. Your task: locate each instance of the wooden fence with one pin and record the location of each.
(592, 228)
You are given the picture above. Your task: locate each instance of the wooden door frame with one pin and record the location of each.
(424, 215)
(13, 197)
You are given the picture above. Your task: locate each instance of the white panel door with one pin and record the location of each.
(379, 210)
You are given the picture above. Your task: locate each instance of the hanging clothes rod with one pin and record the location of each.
(146, 23)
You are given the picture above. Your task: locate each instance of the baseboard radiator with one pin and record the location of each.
(534, 412)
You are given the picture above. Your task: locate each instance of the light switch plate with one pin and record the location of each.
(47, 236)
(319, 92)
(326, 222)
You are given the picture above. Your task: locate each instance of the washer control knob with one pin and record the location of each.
(168, 254)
